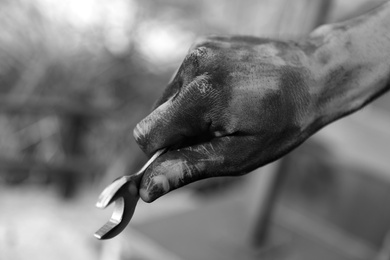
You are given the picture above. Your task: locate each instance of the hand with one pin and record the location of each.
(234, 105)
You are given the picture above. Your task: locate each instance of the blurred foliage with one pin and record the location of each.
(115, 56)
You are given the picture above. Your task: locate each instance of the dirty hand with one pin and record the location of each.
(234, 105)
(239, 103)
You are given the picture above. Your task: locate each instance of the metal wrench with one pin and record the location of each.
(124, 192)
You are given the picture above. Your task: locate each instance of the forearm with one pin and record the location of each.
(351, 61)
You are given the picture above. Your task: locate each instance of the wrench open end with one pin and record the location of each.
(125, 200)
(124, 193)
(108, 194)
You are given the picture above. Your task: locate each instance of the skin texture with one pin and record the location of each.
(238, 103)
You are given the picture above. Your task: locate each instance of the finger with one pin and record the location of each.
(187, 114)
(224, 156)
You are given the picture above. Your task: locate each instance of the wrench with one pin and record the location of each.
(124, 192)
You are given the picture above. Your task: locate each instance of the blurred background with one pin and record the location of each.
(75, 78)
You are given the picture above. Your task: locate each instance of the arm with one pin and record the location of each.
(238, 103)
(353, 60)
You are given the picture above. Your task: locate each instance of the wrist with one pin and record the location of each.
(350, 63)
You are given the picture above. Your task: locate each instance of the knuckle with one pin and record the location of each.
(198, 54)
(206, 50)
(204, 47)
(197, 59)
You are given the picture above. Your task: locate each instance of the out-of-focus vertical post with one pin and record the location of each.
(72, 129)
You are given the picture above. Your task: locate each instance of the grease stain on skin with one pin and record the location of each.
(163, 182)
(174, 171)
(201, 149)
(267, 53)
(138, 132)
(205, 155)
(143, 128)
(294, 86)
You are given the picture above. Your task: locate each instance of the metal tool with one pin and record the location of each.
(124, 192)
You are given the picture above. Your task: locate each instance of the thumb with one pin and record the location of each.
(223, 156)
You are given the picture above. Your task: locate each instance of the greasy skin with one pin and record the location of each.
(238, 103)
(235, 104)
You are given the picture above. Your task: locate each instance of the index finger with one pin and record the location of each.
(183, 115)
